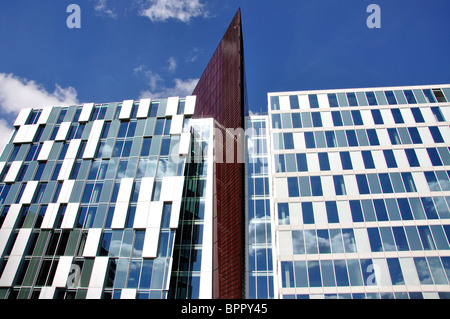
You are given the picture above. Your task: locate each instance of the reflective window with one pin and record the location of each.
(332, 100)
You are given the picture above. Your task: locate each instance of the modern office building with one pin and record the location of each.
(360, 191)
(333, 194)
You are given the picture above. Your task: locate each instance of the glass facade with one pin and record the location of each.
(360, 192)
(95, 203)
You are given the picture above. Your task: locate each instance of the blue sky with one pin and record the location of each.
(129, 49)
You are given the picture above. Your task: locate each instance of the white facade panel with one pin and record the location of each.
(128, 293)
(344, 212)
(421, 182)
(93, 238)
(66, 191)
(409, 271)
(50, 216)
(172, 188)
(185, 144)
(327, 120)
(299, 141)
(381, 270)
(176, 126)
(303, 101)
(72, 150)
(28, 193)
(424, 159)
(94, 135)
(98, 275)
(155, 216)
(144, 107)
(21, 242)
(425, 134)
(141, 216)
(285, 243)
(151, 241)
(22, 116)
(47, 293)
(86, 112)
(4, 237)
(284, 103)
(281, 188)
(367, 118)
(45, 150)
(126, 186)
(120, 215)
(388, 119)
(125, 111)
(362, 240)
(10, 270)
(350, 185)
(66, 168)
(383, 137)
(189, 106)
(62, 131)
(70, 216)
(335, 161)
(13, 171)
(146, 189)
(43, 118)
(11, 217)
(175, 214)
(323, 100)
(62, 271)
(172, 106)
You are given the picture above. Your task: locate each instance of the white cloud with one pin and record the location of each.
(102, 8)
(183, 10)
(157, 89)
(172, 64)
(17, 93)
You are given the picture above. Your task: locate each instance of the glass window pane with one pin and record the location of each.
(340, 268)
(332, 213)
(339, 185)
(298, 242)
(377, 118)
(331, 139)
(332, 100)
(302, 165)
(400, 238)
(293, 187)
(307, 212)
(375, 240)
(293, 99)
(314, 274)
(301, 279)
(354, 271)
(423, 271)
(388, 239)
(355, 207)
(395, 271)
(313, 102)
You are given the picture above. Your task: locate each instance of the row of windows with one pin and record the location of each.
(375, 295)
(301, 162)
(350, 118)
(389, 97)
(361, 272)
(386, 183)
(366, 210)
(400, 238)
(354, 138)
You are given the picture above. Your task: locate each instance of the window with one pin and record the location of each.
(351, 137)
(283, 214)
(390, 159)
(332, 213)
(397, 116)
(436, 134)
(418, 117)
(307, 212)
(415, 136)
(316, 119)
(337, 120)
(309, 140)
(356, 210)
(346, 160)
(368, 159)
(280, 166)
(373, 137)
(429, 95)
(393, 136)
(324, 162)
(439, 95)
(390, 97)
(293, 99)
(410, 97)
(352, 99)
(339, 185)
(293, 186)
(274, 103)
(302, 165)
(363, 186)
(412, 157)
(316, 186)
(371, 98)
(437, 114)
(357, 119)
(296, 120)
(288, 141)
(313, 102)
(434, 157)
(276, 121)
(331, 139)
(332, 100)
(385, 183)
(377, 118)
